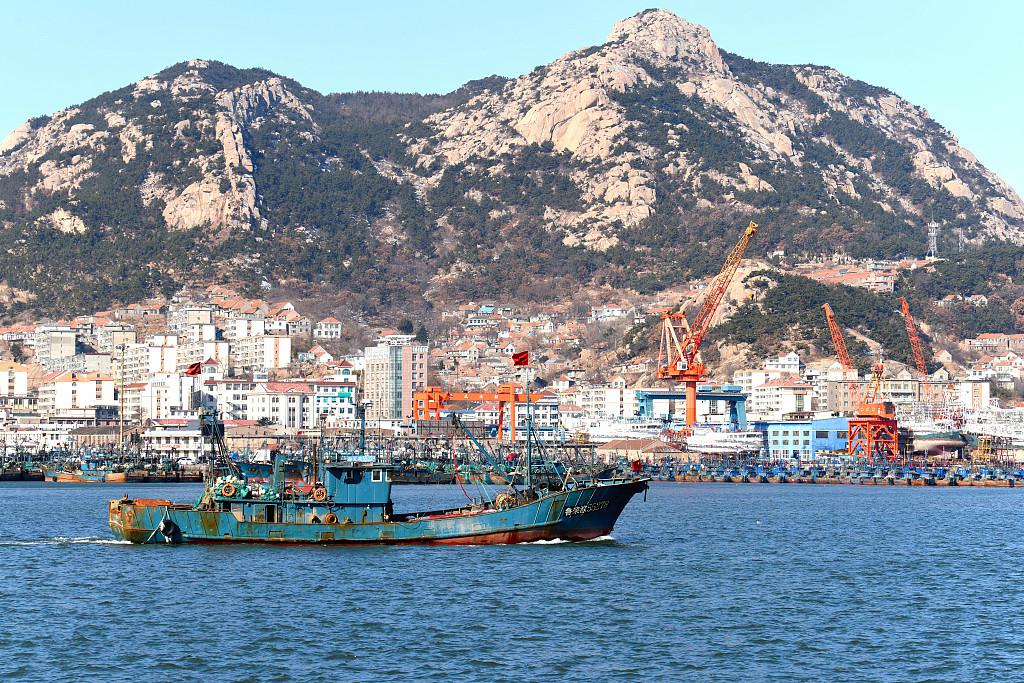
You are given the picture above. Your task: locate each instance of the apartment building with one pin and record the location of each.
(783, 396)
(114, 334)
(193, 352)
(182, 318)
(393, 372)
(52, 342)
(240, 328)
(267, 352)
(328, 328)
(334, 404)
(291, 405)
(159, 354)
(13, 379)
(69, 393)
(229, 396)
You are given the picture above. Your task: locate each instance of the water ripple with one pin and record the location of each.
(702, 582)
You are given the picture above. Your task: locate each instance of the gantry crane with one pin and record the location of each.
(872, 432)
(428, 403)
(915, 340)
(680, 341)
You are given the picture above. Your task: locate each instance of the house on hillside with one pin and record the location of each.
(328, 328)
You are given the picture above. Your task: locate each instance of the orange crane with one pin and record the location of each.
(840, 343)
(680, 341)
(915, 340)
(428, 404)
(872, 431)
(837, 337)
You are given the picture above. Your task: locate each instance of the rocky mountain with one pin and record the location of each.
(630, 164)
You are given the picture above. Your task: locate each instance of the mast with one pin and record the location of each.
(529, 429)
(362, 427)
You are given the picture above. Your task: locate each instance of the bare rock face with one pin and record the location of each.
(15, 137)
(204, 203)
(250, 103)
(571, 105)
(620, 164)
(65, 221)
(659, 35)
(224, 196)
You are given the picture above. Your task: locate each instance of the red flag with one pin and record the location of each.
(194, 369)
(521, 358)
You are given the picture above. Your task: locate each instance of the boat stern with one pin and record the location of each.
(136, 520)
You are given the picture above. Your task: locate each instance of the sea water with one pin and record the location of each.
(701, 582)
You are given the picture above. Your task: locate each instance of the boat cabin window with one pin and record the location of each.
(378, 475)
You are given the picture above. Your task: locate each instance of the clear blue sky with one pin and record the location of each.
(960, 60)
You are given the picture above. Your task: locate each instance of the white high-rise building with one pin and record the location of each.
(393, 373)
(13, 379)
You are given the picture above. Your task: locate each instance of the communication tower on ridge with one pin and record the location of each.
(933, 240)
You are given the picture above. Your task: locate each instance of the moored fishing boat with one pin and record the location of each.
(81, 475)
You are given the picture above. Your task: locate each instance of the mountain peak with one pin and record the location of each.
(605, 167)
(661, 35)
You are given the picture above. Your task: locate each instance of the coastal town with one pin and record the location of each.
(137, 377)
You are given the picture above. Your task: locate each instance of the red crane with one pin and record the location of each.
(915, 340)
(680, 341)
(837, 337)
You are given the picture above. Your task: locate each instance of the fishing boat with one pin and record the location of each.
(87, 472)
(349, 502)
(353, 505)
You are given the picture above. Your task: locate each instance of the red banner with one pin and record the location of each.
(521, 358)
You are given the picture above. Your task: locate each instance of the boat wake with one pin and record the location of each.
(66, 540)
(555, 541)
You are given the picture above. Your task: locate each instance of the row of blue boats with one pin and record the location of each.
(865, 474)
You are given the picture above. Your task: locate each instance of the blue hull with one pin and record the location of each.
(580, 514)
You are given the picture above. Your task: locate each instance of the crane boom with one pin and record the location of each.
(681, 354)
(915, 340)
(837, 338)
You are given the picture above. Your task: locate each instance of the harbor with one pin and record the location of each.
(445, 458)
